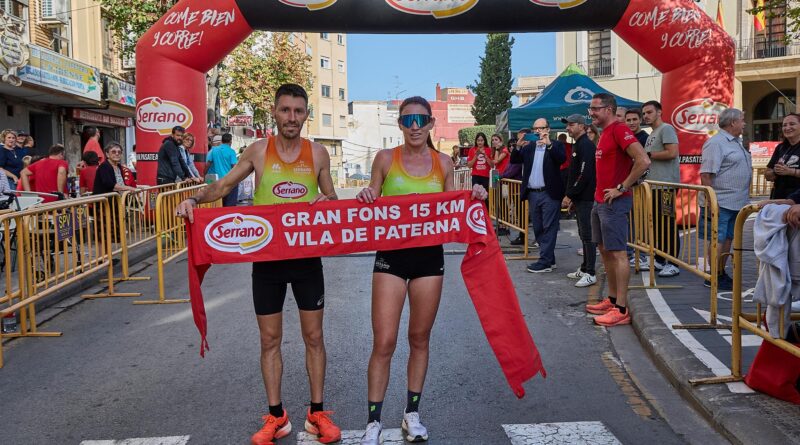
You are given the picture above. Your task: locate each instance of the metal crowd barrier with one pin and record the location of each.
(462, 178)
(57, 244)
(171, 234)
(760, 187)
(742, 320)
(508, 209)
(641, 236)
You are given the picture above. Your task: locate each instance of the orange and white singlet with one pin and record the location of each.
(283, 182)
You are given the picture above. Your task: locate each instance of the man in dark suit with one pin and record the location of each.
(543, 188)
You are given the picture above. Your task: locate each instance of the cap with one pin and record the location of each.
(22, 133)
(217, 139)
(574, 118)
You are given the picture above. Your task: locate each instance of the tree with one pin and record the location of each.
(493, 90)
(781, 8)
(256, 68)
(129, 19)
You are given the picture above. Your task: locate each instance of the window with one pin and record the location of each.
(18, 9)
(327, 120)
(342, 121)
(326, 91)
(340, 66)
(772, 42)
(60, 42)
(599, 53)
(324, 36)
(341, 94)
(325, 62)
(311, 113)
(340, 39)
(108, 44)
(309, 51)
(291, 38)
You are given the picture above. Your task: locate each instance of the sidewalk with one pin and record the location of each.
(736, 411)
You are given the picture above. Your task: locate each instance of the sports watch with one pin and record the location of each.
(621, 188)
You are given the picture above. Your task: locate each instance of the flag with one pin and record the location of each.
(278, 232)
(720, 20)
(760, 17)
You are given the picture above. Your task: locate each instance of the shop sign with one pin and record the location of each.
(52, 70)
(100, 118)
(14, 53)
(240, 120)
(120, 92)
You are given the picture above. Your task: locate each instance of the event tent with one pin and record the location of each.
(570, 93)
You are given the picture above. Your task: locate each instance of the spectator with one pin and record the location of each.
(92, 135)
(28, 143)
(11, 157)
(188, 157)
(4, 187)
(111, 175)
(662, 148)
(620, 161)
(480, 161)
(568, 151)
(633, 119)
(132, 161)
(593, 133)
(727, 168)
(455, 156)
(88, 173)
(514, 171)
(784, 166)
(171, 168)
(541, 179)
(620, 114)
(221, 160)
(27, 160)
(500, 154)
(50, 174)
(580, 196)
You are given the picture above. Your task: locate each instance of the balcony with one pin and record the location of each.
(598, 67)
(760, 48)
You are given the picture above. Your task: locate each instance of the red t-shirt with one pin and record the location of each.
(87, 177)
(92, 145)
(501, 167)
(613, 165)
(568, 151)
(45, 173)
(481, 167)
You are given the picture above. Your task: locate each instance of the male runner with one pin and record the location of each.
(286, 157)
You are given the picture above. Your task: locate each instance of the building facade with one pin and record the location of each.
(767, 66)
(373, 127)
(528, 87)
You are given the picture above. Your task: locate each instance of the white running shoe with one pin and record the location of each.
(413, 429)
(586, 280)
(658, 265)
(580, 252)
(373, 436)
(576, 275)
(644, 263)
(669, 270)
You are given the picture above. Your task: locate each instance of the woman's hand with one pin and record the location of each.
(367, 196)
(479, 193)
(783, 170)
(185, 209)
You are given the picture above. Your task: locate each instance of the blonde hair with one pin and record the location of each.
(5, 133)
(26, 160)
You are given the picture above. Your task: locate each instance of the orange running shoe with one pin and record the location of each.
(613, 318)
(600, 308)
(322, 426)
(274, 428)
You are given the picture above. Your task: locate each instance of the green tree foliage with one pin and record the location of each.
(467, 135)
(493, 89)
(255, 69)
(129, 19)
(775, 8)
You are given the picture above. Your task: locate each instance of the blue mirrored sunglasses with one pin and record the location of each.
(407, 120)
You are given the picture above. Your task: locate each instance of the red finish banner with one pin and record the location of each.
(281, 232)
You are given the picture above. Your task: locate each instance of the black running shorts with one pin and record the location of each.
(409, 264)
(271, 279)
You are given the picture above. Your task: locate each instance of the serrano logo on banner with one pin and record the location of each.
(156, 115)
(563, 4)
(476, 219)
(698, 116)
(312, 5)
(289, 190)
(441, 9)
(239, 233)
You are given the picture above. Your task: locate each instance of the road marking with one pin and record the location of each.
(353, 437)
(684, 336)
(565, 433)
(170, 440)
(620, 376)
(747, 339)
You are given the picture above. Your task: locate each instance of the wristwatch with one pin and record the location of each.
(621, 188)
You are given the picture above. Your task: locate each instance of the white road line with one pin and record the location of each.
(565, 433)
(171, 440)
(704, 355)
(353, 437)
(748, 340)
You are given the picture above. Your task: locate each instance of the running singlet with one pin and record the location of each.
(283, 182)
(400, 182)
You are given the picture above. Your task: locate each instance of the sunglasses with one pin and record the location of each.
(407, 120)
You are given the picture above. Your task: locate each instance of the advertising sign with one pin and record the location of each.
(52, 70)
(120, 92)
(14, 53)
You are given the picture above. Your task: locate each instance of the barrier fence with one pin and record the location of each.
(462, 178)
(56, 245)
(171, 234)
(508, 209)
(752, 322)
(760, 187)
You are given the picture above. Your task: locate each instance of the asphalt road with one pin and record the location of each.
(122, 371)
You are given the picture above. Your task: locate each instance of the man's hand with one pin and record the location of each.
(566, 203)
(610, 195)
(198, 180)
(367, 196)
(319, 198)
(478, 192)
(186, 209)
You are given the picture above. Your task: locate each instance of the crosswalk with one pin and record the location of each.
(562, 433)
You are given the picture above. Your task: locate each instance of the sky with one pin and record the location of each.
(385, 67)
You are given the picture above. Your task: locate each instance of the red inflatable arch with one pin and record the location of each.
(695, 55)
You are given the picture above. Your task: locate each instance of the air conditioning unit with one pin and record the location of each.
(54, 12)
